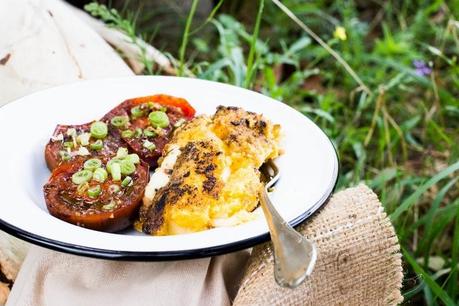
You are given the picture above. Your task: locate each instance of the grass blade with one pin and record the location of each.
(433, 285)
(447, 210)
(185, 37)
(412, 199)
(429, 217)
(454, 281)
(251, 59)
(209, 18)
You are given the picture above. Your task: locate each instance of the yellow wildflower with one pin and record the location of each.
(340, 33)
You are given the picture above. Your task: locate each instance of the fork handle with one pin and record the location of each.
(294, 255)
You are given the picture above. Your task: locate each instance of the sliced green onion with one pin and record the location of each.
(127, 181)
(138, 133)
(113, 161)
(137, 112)
(133, 158)
(150, 105)
(94, 191)
(120, 121)
(163, 109)
(65, 155)
(149, 145)
(99, 130)
(127, 134)
(81, 177)
(179, 123)
(115, 171)
(158, 119)
(68, 144)
(92, 164)
(100, 175)
(113, 188)
(97, 145)
(149, 132)
(127, 167)
(110, 205)
(122, 152)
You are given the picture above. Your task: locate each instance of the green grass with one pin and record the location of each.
(185, 38)
(395, 129)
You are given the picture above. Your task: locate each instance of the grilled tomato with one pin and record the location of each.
(70, 142)
(101, 193)
(146, 123)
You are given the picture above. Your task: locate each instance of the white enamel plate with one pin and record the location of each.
(309, 167)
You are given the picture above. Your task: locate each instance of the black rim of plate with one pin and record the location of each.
(165, 255)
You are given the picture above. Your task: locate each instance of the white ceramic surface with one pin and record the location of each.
(309, 166)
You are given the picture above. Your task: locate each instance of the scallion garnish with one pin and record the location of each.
(137, 112)
(127, 167)
(68, 144)
(115, 171)
(149, 132)
(92, 164)
(120, 121)
(99, 130)
(81, 177)
(158, 119)
(97, 145)
(100, 175)
(149, 145)
(133, 158)
(65, 156)
(127, 181)
(122, 152)
(94, 191)
(138, 133)
(127, 134)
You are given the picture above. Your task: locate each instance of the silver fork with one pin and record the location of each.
(294, 255)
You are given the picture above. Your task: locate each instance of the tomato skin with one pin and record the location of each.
(166, 100)
(52, 156)
(108, 221)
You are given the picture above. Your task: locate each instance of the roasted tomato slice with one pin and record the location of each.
(146, 124)
(74, 141)
(187, 110)
(98, 193)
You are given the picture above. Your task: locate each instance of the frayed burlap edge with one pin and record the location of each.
(359, 260)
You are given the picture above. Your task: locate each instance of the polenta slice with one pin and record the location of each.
(209, 173)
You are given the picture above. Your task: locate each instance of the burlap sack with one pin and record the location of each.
(358, 263)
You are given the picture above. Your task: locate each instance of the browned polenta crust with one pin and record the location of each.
(195, 184)
(196, 163)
